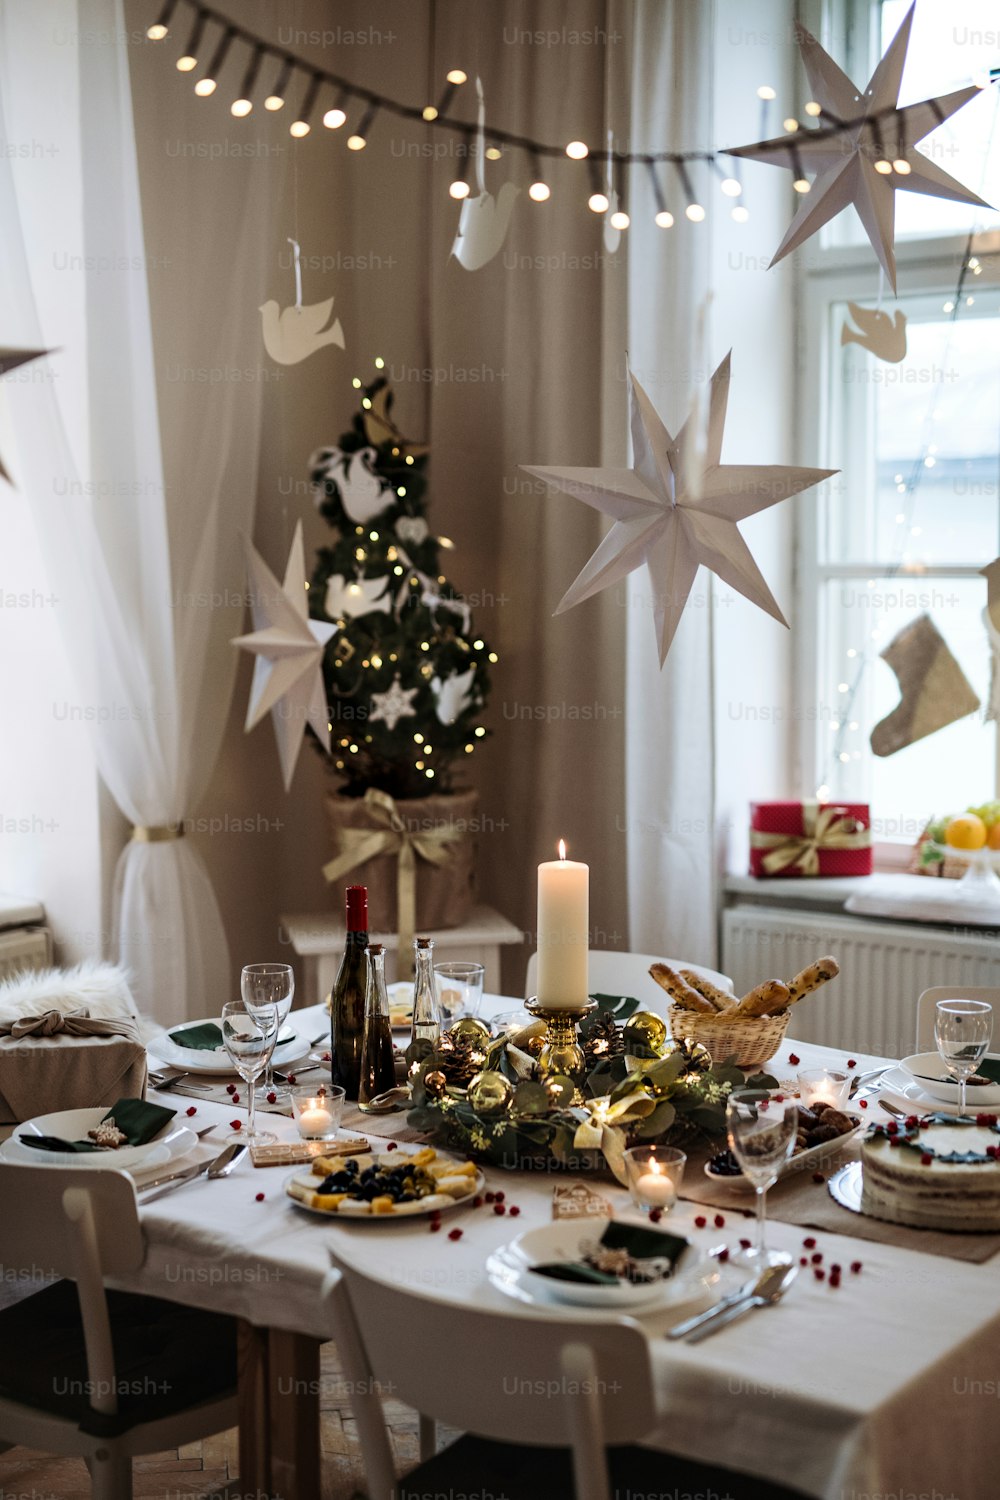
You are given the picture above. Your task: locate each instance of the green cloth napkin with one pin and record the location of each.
(989, 1068)
(640, 1242)
(139, 1121)
(207, 1037)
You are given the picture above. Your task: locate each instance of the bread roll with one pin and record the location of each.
(766, 1000)
(811, 978)
(717, 999)
(680, 992)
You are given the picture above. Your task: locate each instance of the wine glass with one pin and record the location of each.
(962, 1030)
(269, 984)
(249, 1037)
(761, 1129)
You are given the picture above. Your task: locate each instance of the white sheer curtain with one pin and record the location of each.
(137, 565)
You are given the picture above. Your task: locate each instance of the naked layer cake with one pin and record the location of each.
(935, 1172)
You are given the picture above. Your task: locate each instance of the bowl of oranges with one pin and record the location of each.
(971, 838)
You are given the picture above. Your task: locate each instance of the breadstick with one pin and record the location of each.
(811, 978)
(766, 1000)
(717, 999)
(679, 990)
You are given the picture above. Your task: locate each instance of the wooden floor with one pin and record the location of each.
(200, 1470)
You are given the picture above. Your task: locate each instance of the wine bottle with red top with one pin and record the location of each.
(347, 1007)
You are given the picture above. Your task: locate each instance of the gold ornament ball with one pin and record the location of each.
(533, 1046)
(469, 1031)
(647, 1029)
(435, 1083)
(490, 1092)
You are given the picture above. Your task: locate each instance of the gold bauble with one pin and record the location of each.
(490, 1092)
(469, 1030)
(435, 1083)
(646, 1029)
(533, 1045)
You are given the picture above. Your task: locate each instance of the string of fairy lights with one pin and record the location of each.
(213, 36)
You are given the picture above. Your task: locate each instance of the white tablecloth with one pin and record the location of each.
(884, 1388)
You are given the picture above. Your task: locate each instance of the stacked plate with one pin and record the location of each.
(173, 1142)
(922, 1081)
(197, 1060)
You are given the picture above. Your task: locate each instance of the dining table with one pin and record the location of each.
(879, 1382)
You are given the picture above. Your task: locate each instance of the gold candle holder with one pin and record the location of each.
(561, 1052)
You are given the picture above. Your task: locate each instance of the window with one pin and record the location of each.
(914, 515)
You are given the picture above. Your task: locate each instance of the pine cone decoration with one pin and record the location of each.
(460, 1061)
(604, 1040)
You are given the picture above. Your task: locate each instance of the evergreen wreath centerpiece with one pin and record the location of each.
(406, 675)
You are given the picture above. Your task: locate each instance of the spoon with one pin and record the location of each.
(771, 1286)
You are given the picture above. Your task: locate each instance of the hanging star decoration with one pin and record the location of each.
(12, 359)
(676, 508)
(288, 646)
(863, 153)
(394, 704)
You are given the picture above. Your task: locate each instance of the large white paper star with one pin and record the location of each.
(676, 508)
(12, 359)
(873, 158)
(394, 704)
(287, 675)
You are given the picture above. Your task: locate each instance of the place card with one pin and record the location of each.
(292, 1153)
(575, 1200)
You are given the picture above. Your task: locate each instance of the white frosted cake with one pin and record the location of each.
(934, 1173)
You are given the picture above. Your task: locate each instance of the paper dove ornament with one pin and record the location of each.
(452, 696)
(12, 359)
(287, 674)
(672, 518)
(483, 221)
(881, 335)
(293, 334)
(878, 135)
(362, 493)
(360, 596)
(380, 426)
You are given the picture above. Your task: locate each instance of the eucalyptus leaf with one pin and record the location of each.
(561, 1091)
(530, 1099)
(618, 1006)
(660, 1120)
(667, 1070)
(758, 1081)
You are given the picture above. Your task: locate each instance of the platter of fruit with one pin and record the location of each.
(822, 1130)
(384, 1185)
(971, 838)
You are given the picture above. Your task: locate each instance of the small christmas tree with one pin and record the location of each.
(406, 674)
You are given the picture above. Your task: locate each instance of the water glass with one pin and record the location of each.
(459, 990)
(249, 1038)
(962, 1030)
(269, 984)
(761, 1129)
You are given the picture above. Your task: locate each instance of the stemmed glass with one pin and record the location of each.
(249, 1038)
(263, 985)
(761, 1129)
(962, 1030)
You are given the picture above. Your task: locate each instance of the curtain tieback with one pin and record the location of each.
(157, 835)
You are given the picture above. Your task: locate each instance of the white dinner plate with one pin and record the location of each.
(986, 1095)
(566, 1239)
(358, 1215)
(195, 1060)
(174, 1141)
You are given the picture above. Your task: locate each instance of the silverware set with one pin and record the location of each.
(219, 1166)
(766, 1291)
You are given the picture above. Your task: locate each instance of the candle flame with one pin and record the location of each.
(562, 848)
(655, 1168)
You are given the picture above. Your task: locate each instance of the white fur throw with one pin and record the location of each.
(101, 989)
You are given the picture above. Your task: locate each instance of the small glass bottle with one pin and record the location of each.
(425, 1026)
(378, 1071)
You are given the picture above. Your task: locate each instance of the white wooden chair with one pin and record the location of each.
(928, 1000)
(563, 1391)
(90, 1373)
(612, 972)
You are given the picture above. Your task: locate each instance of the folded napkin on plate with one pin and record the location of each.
(207, 1037)
(138, 1121)
(67, 1059)
(638, 1242)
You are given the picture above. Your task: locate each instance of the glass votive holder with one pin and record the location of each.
(459, 990)
(318, 1110)
(824, 1086)
(655, 1174)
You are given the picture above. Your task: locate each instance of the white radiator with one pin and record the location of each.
(884, 967)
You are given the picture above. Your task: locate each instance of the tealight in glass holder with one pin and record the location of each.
(824, 1086)
(318, 1111)
(655, 1174)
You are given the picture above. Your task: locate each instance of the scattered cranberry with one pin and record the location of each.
(793, 1059)
(810, 1243)
(291, 1077)
(803, 1260)
(745, 1244)
(514, 1211)
(498, 1208)
(391, 1145)
(912, 1122)
(230, 1088)
(852, 1062)
(700, 1222)
(925, 1159)
(326, 1057)
(272, 1097)
(498, 1197)
(856, 1267)
(190, 1111)
(818, 1177)
(819, 1273)
(862, 1103)
(986, 1119)
(236, 1124)
(892, 1128)
(655, 1215)
(719, 1222)
(779, 1098)
(454, 1234)
(477, 1202)
(435, 1225)
(259, 1198)
(236, 1098)
(491, 1197)
(834, 1282)
(816, 1257)
(723, 1254)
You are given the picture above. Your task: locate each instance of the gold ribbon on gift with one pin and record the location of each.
(390, 835)
(163, 834)
(822, 828)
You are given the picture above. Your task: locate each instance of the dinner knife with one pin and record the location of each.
(742, 1294)
(219, 1166)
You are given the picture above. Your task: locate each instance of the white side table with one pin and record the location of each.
(319, 942)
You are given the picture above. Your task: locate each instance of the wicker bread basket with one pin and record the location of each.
(749, 1040)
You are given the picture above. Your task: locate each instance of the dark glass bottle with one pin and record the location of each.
(378, 1071)
(347, 1007)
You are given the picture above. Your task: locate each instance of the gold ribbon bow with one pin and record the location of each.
(392, 836)
(822, 828)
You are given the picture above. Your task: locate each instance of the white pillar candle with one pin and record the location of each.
(563, 931)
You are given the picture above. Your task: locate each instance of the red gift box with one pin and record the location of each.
(810, 839)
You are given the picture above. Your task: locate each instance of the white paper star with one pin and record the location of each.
(12, 359)
(287, 675)
(676, 508)
(394, 704)
(872, 159)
